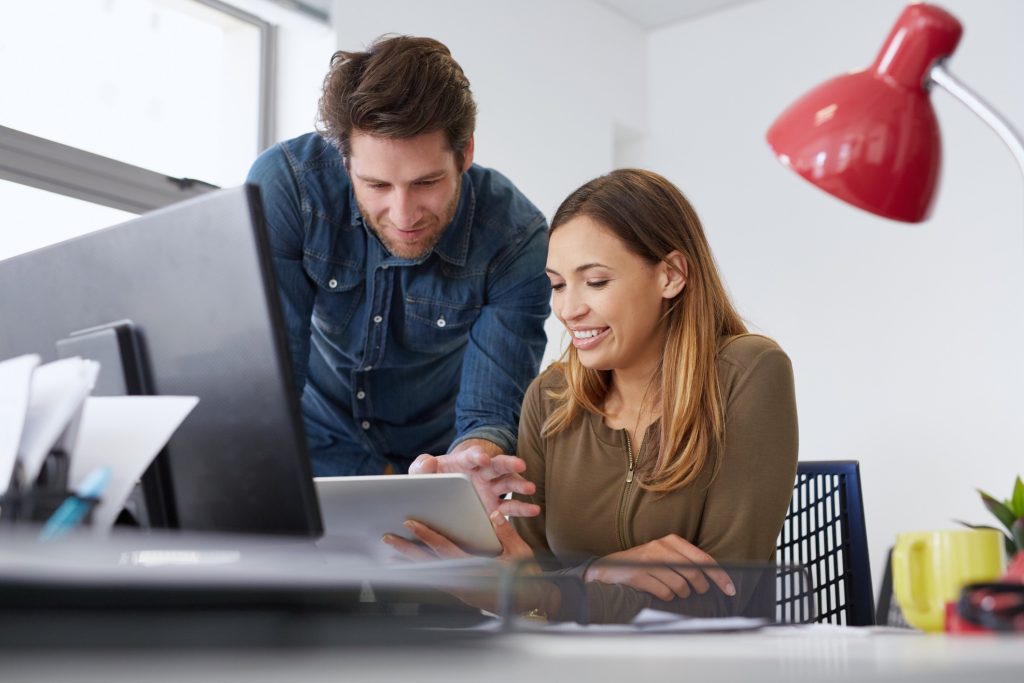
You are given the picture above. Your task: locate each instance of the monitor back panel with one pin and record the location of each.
(196, 279)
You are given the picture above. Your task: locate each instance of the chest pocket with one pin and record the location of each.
(339, 291)
(437, 326)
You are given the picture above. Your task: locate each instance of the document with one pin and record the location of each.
(15, 381)
(123, 433)
(55, 399)
(650, 621)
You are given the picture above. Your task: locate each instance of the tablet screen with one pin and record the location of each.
(358, 511)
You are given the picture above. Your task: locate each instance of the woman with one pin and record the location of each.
(668, 434)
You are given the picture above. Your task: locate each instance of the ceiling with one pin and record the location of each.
(654, 14)
(650, 14)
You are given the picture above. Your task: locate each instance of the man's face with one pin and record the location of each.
(407, 190)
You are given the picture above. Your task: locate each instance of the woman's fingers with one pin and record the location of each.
(679, 584)
(699, 560)
(408, 549)
(512, 543)
(439, 543)
(693, 576)
(649, 583)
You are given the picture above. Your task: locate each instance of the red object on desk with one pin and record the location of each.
(957, 624)
(871, 137)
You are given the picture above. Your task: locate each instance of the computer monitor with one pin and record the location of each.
(195, 280)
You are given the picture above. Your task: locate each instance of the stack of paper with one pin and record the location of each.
(47, 407)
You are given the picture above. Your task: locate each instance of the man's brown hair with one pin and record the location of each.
(401, 87)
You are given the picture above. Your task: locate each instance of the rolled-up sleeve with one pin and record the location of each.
(506, 342)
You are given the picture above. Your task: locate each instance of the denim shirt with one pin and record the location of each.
(394, 357)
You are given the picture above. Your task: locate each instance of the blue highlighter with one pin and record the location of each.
(76, 506)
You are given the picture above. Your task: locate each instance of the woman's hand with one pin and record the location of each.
(436, 546)
(667, 568)
(492, 475)
(526, 595)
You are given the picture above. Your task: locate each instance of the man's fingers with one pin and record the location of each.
(424, 464)
(507, 464)
(512, 483)
(518, 508)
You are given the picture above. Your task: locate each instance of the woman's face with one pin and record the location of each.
(609, 299)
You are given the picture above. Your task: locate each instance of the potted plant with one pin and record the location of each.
(1010, 514)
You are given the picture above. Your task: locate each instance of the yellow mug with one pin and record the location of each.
(930, 567)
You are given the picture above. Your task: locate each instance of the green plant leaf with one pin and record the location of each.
(1017, 499)
(977, 526)
(1002, 513)
(1018, 535)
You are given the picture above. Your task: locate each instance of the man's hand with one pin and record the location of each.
(667, 568)
(493, 475)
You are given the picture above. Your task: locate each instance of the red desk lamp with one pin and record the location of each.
(871, 137)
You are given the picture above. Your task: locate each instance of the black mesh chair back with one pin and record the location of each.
(824, 532)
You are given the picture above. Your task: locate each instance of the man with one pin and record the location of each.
(412, 280)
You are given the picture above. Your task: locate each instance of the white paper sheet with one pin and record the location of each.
(15, 380)
(650, 621)
(55, 402)
(124, 433)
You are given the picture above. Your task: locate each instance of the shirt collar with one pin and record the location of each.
(453, 246)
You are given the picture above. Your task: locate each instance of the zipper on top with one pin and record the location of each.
(631, 467)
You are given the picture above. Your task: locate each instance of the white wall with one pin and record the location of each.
(560, 86)
(905, 339)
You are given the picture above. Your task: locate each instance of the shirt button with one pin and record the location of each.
(360, 395)
(365, 425)
(441, 322)
(332, 283)
(368, 368)
(377, 319)
(384, 267)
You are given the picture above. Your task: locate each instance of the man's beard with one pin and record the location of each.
(396, 248)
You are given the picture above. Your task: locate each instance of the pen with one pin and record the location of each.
(77, 505)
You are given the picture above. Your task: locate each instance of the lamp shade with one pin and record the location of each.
(871, 137)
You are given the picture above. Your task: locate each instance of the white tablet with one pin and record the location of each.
(363, 509)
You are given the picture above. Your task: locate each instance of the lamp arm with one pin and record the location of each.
(941, 77)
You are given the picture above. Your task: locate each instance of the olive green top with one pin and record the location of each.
(588, 509)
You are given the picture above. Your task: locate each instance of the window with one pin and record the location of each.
(34, 218)
(118, 103)
(168, 85)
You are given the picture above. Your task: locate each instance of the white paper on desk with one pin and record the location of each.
(124, 433)
(654, 621)
(54, 406)
(15, 382)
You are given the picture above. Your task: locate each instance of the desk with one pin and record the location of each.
(262, 603)
(770, 655)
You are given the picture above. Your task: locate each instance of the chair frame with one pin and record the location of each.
(856, 600)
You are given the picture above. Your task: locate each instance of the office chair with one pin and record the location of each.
(824, 532)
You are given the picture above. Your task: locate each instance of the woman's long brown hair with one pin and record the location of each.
(652, 218)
